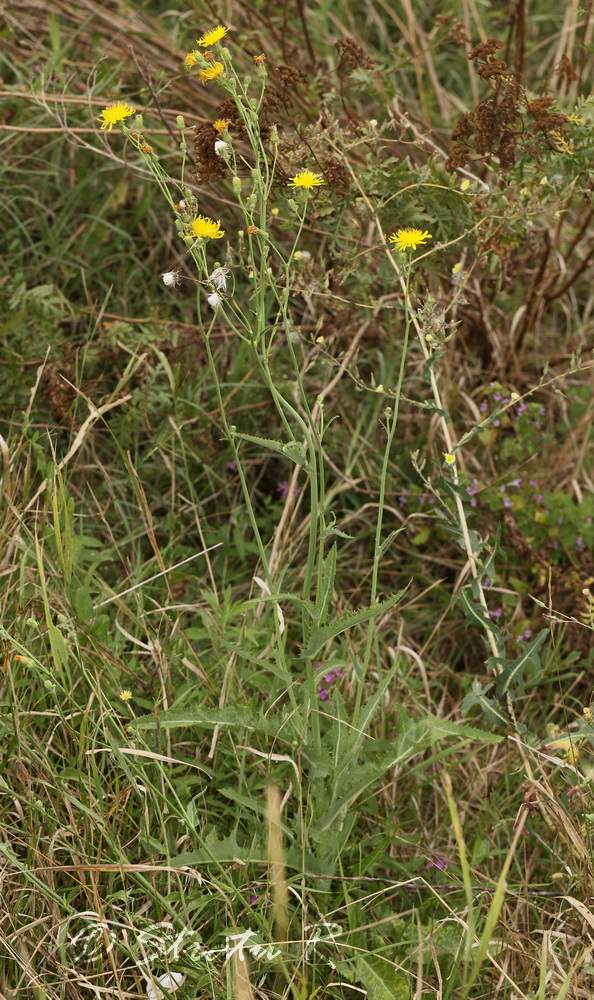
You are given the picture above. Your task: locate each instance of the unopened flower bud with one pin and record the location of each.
(179, 121)
(236, 185)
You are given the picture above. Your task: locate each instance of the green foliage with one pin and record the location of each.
(273, 527)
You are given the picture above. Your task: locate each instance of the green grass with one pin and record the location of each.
(291, 705)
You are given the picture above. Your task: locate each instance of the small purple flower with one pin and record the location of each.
(496, 613)
(516, 482)
(497, 422)
(580, 543)
(505, 401)
(527, 633)
(283, 490)
(486, 581)
(542, 412)
(533, 483)
(502, 489)
(474, 502)
(538, 497)
(484, 406)
(328, 679)
(507, 502)
(231, 466)
(253, 899)
(496, 396)
(537, 425)
(437, 862)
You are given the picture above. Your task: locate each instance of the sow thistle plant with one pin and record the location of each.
(261, 319)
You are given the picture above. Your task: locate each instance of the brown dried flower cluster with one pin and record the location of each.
(565, 71)
(497, 126)
(457, 33)
(351, 55)
(207, 165)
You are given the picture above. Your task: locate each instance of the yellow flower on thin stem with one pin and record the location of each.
(220, 125)
(212, 36)
(190, 60)
(126, 694)
(211, 72)
(306, 179)
(409, 239)
(205, 229)
(115, 113)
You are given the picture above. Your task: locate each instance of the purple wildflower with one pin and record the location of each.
(328, 679)
(580, 543)
(516, 482)
(283, 489)
(496, 396)
(497, 423)
(231, 466)
(507, 502)
(533, 483)
(484, 406)
(496, 613)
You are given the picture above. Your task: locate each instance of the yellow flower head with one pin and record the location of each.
(205, 229)
(306, 180)
(115, 113)
(465, 185)
(457, 267)
(449, 459)
(211, 72)
(221, 125)
(212, 36)
(126, 694)
(409, 239)
(190, 60)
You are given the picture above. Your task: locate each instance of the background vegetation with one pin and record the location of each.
(233, 765)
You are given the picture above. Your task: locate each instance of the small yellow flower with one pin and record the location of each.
(409, 239)
(126, 694)
(465, 185)
(274, 211)
(205, 229)
(457, 267)
(306, 179)
(212, 36)
(115, 113)
(220, 125)
(449, 459)
(211, 72)
(190, 60)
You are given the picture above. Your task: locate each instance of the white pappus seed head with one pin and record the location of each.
(170, 278)
(214, 300)
(219, 277)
